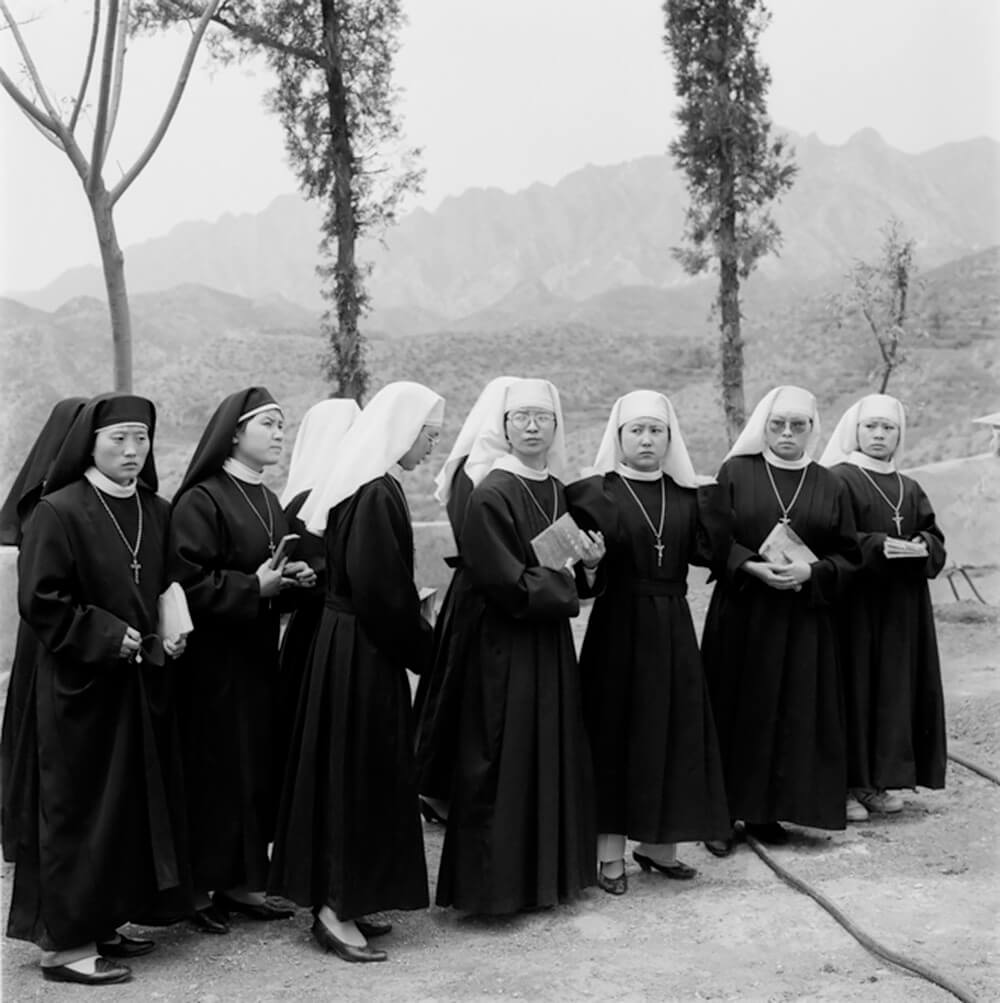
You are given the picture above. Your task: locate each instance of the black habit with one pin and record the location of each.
(521, 823)
(228, 677)
(771, 657)
(107, 825)
(657, 770)
(349, 833)
(892, 676)
(437, 703)
(18, 747)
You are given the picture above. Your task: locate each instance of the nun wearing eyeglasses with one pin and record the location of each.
(892, 676)
(520, 829)
(438, 698)
(318, 438)
(225, 527)
(784, 550)
(105, 841)
(349, 841)
(18, 748)
(656, 759)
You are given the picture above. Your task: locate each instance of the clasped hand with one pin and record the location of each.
(780, 576)
(285, 575)
(592, 548)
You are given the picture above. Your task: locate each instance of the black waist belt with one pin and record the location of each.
(647, 587)
(342, 604)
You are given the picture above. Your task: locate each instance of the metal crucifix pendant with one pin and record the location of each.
(898, 520)
(136, 568)
(659, 553)
(784, 520)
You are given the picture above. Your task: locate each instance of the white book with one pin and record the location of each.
(174, 615)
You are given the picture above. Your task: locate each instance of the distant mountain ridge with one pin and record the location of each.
(598, 229)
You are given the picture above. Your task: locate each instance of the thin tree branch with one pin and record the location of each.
(25, 104)
(46, 133)
(103, 98)
(168, 114)
(36, 79)
(88, 67)
(119, 75)
(249, 32)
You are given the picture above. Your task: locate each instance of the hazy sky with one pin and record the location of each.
(498, 92)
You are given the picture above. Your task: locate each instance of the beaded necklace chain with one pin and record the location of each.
(657, 531)
(896, 517)
(785, 509)
(133, 551)
(269, 525)
(555, 500)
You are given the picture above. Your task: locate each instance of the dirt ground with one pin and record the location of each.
(923, 882)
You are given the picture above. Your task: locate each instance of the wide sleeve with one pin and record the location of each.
(47, 602)
(701, 547)
(592, 509)
(495, 559)
(833, 572)
(718, 517)
(380, 573)
(195, 561)
(930, 533)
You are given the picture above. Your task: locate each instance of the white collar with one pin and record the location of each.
(513, 465)
(623, 470)
(396, 472)
(104, 483)
(860, 459)
(239, 470)
(776, 461)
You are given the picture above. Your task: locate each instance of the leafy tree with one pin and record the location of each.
(337, 105)
(733, 165)
(882, 292)
(57, 121)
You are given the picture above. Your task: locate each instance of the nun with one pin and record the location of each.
(105, 841)
(657, 771)
(349, 842)
(318, 439)
(438, 697)
(520, 831)
(784, 550)
(892, 676)
(225, 528)
(18, 747)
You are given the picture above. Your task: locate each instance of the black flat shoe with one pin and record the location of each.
(676, 870)
(373, 926)
(431, 814)
(768, 833)
(106, 973)
(720, 847)
(126, 947)
(613, 886)
(348, 952)
(210, 920)
(264, 911)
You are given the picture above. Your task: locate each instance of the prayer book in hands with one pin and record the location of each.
(558, 547)
(173, 613)
(784, 546)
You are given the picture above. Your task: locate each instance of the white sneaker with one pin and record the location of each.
(882, 802)
(856, 811)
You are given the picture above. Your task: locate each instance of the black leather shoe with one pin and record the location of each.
(106, 973)
(375, 925)
(263, 911)
(210, 920)
(720, 847)
(768, 833)
(126, 947)
(348, 952)
(613, 886)
(676, 870)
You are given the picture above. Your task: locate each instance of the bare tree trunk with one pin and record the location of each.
(347, 351)
(113, 263)
(731, 342)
